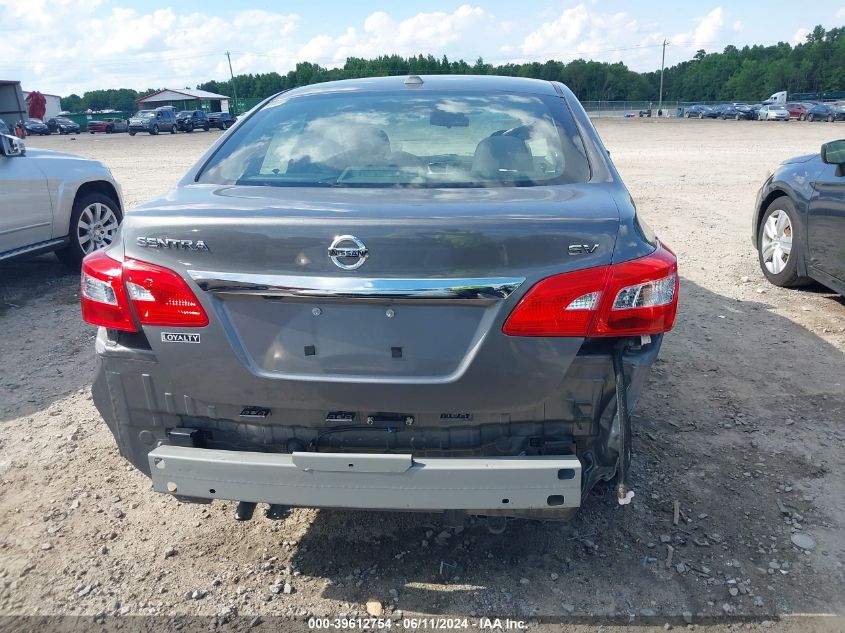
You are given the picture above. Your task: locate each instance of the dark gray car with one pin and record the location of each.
(430, 293)
(798, 225)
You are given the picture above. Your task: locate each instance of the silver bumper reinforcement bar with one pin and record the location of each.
(378, 482)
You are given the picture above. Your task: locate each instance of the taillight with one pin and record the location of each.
(631, 298)
(159, 296)
(102, 295)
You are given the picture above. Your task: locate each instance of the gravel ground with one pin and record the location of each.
(740, 428)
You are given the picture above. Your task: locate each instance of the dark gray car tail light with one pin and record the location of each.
(158, 295)
(630, 298)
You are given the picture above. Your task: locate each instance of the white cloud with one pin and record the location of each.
(382, 34)
(578, 32)
(841, 13)
(706, 34)
(64, 46)
(81, 44)
(800, 36)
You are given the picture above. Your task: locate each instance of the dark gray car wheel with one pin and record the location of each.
(779, 244)
(154, 130)
(94, 221)
(173, 129)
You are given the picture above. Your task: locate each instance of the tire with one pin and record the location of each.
(801, 117)
(810, 118)
(173, 129)
(93, 209)
(91, 132)
(189, 128)
(109, 130)
(154, 130)
(779, 222)
(830, 118)
(221, 125)
(700, 116)
(207, 127)
(130, 134)
(737, 117)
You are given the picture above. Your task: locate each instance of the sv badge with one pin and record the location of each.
(582, 249)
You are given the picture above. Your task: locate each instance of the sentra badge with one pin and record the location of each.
(166, 242)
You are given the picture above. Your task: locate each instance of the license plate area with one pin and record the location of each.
(355, 339)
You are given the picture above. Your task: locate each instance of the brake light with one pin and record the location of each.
(102, 295)
(161, 297)
(631, 298)
(112, 291)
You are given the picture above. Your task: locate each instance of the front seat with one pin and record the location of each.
(502, 158)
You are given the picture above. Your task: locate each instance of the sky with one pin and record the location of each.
(70, 46)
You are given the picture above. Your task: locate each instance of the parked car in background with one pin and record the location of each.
(798, 227)
(797, 109)
(753, 109)
(190, 120)
(108, 126)
(716, 111)
(736, 111)
(153, 121)
(698, 111)
(63, 125)
(36, 126)
(824, 112)
(51, 201)
(222, 120)
(774, 112)
(451, 323)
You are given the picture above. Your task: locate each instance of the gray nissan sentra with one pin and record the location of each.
(424, 293)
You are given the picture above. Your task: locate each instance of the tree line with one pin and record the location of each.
(750, 73)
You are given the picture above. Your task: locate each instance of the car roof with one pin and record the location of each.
(483, 83)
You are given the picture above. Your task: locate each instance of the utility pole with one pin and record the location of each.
(235, 90)
(662, 64)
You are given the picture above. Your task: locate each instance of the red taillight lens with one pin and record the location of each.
(102, 295)
(642, 296)
(158, 295)
(563, 305)
(632, 298)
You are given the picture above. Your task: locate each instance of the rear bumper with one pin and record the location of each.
(369, 481)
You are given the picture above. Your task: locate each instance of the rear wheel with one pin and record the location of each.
(737, 117)
(173, 129)
(700, 116)
(778, 246)
(810, 117)
(93, 225)
(189, 127)
(830, 118)
(109, 129)
(154, 130)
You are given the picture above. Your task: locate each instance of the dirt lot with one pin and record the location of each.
(742, 424)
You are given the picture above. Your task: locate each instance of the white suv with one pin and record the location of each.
(51, 201)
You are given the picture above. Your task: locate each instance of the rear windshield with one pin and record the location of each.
(411, 139)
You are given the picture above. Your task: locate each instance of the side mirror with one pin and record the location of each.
(833, 153)
(11, 146)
